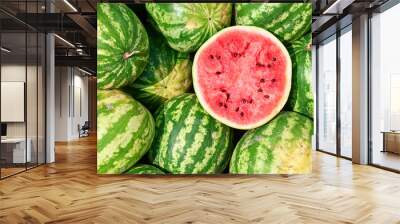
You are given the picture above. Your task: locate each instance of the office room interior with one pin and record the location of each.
(49, 127)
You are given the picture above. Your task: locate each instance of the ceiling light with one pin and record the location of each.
(5, 50)
(65, 41)
(70, 5)
(84, 71)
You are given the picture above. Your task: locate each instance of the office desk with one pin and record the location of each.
(391, 141)
(18, 150)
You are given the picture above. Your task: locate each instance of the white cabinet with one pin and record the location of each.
(18, 149)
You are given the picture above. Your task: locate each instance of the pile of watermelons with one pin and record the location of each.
(204, 88)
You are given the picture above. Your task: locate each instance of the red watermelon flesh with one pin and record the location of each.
(242, 76)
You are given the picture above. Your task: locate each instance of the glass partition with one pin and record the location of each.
(22, 77)
(13, 95)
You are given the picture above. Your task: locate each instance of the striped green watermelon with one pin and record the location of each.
(287, 21)
(144, 169)
(282, 146)
(125, 131)
(122, 46)
(167, 74)
(188, 140)
(301, 95)
(188, 25)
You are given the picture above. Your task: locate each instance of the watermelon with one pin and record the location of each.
(144, 169)
(167, 74)
(301, 95)
(125, 131)
(287, 21)
(188, 140)
(188, 25)
(242, 76)
(122, 46)
(282, 146)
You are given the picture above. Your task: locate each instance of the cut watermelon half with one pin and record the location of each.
(242, 76)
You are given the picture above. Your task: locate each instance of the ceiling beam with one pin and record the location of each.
(86, 27)
(82, 61)
(337, 7)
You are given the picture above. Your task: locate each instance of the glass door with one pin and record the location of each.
(22, 78)
(14, 155)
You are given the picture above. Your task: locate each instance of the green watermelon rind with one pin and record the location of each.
(282, 146)
(168, 74)
(301, 98)
(188, 140)
(125, 131)
(285, 94)
(144, 169)
(119, 34)
(287, 21)
(186, 26)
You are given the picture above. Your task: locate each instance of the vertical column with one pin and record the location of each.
(314, 87)
(360, 90)
(338, 77)
(50, 92)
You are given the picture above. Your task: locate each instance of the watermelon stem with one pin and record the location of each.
(127, 55)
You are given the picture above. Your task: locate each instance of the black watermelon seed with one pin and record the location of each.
(266, 96)
(241, 114)
(262, 80)
(211, 57)
(259, 90)
(237, 109)
(218, 73)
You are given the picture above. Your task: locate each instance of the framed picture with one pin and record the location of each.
(204, 88)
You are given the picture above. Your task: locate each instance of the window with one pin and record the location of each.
(346, 92)
(385, 89)
(327, 95)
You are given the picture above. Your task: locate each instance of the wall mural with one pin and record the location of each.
(204, 88)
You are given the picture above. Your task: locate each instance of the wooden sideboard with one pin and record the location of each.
(391, 141)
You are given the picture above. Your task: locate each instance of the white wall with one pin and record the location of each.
(17, 72)
(34, 125)
(62, 81)
(70, 83)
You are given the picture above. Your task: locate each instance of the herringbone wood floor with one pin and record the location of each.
(69, 191)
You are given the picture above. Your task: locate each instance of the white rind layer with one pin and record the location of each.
(281, 102)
